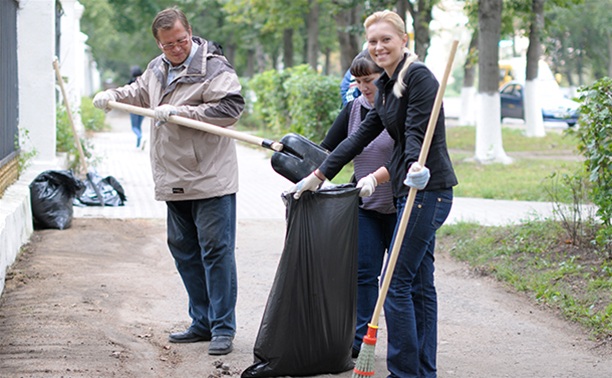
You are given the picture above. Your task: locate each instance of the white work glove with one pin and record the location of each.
(163, 112)
(417, 176)
(368, 185)
(310, 182)
(101, 100)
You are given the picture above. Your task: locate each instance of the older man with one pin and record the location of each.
(195, 172)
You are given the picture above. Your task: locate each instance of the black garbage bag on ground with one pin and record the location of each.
(309, 321)
(51, 196)
(108, 189)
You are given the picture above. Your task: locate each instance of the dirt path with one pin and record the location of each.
(99, 299)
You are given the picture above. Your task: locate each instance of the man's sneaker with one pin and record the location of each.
(220, 345)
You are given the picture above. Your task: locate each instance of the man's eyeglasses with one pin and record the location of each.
(170, 46)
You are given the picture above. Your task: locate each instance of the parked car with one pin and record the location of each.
(555, 107)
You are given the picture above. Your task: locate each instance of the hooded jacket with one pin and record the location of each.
(405, 119)
(189, 164)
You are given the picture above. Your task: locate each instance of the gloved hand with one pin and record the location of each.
(101, 100)
(417, 176)
(163, 112)
(310, 182)
(368, 185)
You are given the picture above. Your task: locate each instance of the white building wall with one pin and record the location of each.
(35, 51)
(37, 107)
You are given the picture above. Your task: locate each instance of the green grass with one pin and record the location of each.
(525, 179)
(535, 258)
(514, 140)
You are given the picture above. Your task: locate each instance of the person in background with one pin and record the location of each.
(195, 172)
(376, 212)
(406, 95)
(136, 119)
(348, 88)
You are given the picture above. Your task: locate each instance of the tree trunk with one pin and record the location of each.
(288, 48)
(230, 53)
(421, 16)
(467, 117)
(313, 34)
(348, 20)
(327, 61)
(609, 35)
(250, 66)
(402, 8)
(534, 123)
(489, 147)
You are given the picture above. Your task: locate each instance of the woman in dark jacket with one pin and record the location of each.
(406, 94)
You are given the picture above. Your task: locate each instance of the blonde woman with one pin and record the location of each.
(406, 93)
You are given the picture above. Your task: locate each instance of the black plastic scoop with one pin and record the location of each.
(294, 157)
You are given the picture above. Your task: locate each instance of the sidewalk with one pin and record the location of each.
(260, 185)
(100, 298)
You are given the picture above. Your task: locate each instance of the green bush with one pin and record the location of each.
(93, 118)
(595, 143)
(64, 139)
(270, 101)
(313, 102)
(297, 100)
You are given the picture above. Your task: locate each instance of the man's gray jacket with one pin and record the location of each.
(189, 164)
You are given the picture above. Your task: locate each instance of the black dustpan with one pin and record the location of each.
(298, 158)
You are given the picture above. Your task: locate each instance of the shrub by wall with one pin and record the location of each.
(297, 100)
(595, 135)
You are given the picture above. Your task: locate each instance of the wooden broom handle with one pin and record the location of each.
(401, 230)
(199, 125)
(77, 141)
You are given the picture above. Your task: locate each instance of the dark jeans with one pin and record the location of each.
(411, 306)
(201, 238)
(375, 234)
(136, 121)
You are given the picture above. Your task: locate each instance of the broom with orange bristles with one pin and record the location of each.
(364, 367)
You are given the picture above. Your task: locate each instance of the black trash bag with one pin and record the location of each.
(108, 189)
(51, 196)
(309, 321)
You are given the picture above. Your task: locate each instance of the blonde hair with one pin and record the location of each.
(397, 23)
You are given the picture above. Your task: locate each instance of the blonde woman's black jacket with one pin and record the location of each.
(406, 120)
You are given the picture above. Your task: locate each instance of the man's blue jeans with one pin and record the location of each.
(375, 234)
(411, 306)
(201, 238)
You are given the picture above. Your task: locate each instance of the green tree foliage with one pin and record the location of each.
(579, 40)
(119, 39)
(595, 134)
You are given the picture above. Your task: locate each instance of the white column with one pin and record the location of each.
(72, 56)
(35, 51)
